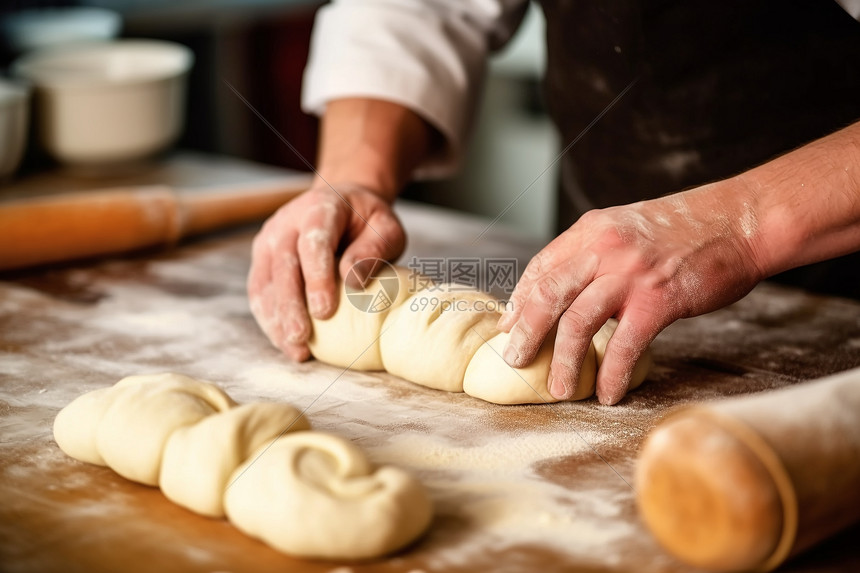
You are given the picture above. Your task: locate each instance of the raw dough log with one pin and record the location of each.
(428, 341)
(350, 337)
(210, 455)
(490, 378)
(425, 339)
(317, 495)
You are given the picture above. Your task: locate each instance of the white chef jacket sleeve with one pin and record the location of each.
(429, 56)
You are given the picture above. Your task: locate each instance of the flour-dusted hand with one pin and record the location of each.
(647, 264)
(368, 150)
(293, 258)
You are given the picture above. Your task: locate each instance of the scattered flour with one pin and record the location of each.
(544, 480)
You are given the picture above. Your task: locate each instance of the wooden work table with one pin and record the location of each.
(516, 488)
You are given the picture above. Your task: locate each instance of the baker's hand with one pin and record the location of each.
(293, 258)
(647, 264)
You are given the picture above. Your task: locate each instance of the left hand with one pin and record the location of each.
(646, 264)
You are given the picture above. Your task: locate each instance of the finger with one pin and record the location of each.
(534, 270)
(262, 304)
(289, 299)
(550, 296)
(626, 345)
(275, 291)
(260, 273)
(261, 296)
(263, 308)
(576, 328)
(380, 237)
(317, 242)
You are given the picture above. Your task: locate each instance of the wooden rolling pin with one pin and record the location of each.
(745, 483)
(71, 226)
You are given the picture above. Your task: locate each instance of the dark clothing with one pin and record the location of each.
(721, 87)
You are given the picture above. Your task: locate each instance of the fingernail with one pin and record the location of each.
(552, 385)
(511, 355)
(318, 304)
(607, 400)
(557, 388)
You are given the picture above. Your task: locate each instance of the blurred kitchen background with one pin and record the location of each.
(261, 46)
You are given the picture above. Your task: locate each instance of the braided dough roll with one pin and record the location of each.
(445, 337)
(303, 492)
(127, 425)
(198, 460)
(316, 495)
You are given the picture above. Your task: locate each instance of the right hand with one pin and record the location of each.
(293, 258)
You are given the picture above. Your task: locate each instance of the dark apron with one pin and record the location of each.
(722, 86)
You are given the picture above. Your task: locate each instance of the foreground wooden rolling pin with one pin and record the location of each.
(71, 226)
(745, 483)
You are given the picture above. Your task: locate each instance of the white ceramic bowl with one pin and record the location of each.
(110, 102)
(14, 118)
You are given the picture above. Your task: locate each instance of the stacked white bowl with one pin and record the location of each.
(105, 103)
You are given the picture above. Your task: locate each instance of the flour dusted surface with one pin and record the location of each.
(516, 488)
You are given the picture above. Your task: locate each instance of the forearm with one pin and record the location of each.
(372, 143)
(804, 206)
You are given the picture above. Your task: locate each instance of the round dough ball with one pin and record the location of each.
(643, 365)
(432, 336)
(316, 495)
(144, 411)
(350, 337)
(76, 425)
(198, 460)
(490, 378)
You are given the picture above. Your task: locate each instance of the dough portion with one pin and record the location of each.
(144, 412)
(313, 496)
(316, 495)
(199, 459)
(431, 337)
(350, 337)
(417, 339)
(490, 378)
(76, 426)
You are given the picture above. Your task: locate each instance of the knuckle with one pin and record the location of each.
(315, 239)
(590, 218)
(325, 208)
(627, 348)
(575, 324)
(548, 291)
(525, 333)
(535, 267)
